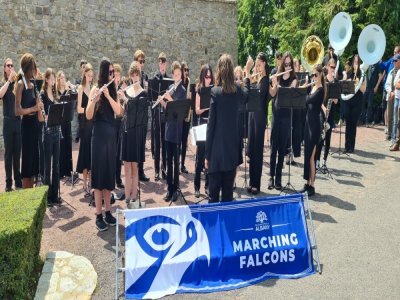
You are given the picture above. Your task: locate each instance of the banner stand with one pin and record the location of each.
(118, 245)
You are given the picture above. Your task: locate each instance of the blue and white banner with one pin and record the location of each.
(215, 247)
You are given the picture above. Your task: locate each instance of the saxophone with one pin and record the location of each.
(326, 125)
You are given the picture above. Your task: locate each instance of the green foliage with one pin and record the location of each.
(21, 215)
(283, 25)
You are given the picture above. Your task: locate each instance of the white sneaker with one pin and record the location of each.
(317, 165)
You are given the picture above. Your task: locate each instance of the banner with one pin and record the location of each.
(215, 247)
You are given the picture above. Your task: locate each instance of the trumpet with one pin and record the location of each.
(172, 89)
(100, 90)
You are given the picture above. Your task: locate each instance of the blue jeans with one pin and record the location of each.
(367, 108)
(395, 120)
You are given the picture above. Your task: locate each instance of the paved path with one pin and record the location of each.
(356, 218)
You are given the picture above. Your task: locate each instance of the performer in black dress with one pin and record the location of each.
(353, 107)
(173, 133)
(85, 147)
(257, 123)
(186, 121)
(158, 126)
(280, 127)
(133, 147)
(51, 141)
(222, 157)
(28, 105)
(118, 130)
(62, 88)
(140, 57)
(102, 107)
(206, 79)
(11, 127)
(312, 129)
(327, 115)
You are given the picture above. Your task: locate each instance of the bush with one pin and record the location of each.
(21, 221)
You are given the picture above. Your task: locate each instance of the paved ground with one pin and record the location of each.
(356, 219)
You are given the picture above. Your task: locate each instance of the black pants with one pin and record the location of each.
(172, 166)
(200, 155)
(159, 141)
(352, 113)
(280, 135)
(41, 149)
(221, 181)
(185, 134)
(51, 167)
(12, 150)
(257, 123)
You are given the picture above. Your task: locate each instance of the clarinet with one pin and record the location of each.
(326, 125)
(38, 95)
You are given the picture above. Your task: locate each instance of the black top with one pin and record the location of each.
(313, 103)
(9, 102)
(28, 98)
(104, 112)
(263, 85)
(222, 151)
(173, 129)
(205, 113)
(160, 76)
(282, 112)
(46, 101)
(143, 78)
(372, 76)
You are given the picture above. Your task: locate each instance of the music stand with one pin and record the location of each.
(137, 116)
(346, 87)
(176, 111)
(59, 114)
(292, 98)
(253, 104)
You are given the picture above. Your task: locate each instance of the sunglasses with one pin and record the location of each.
(207, 77)
(314, 75)
(186, 69)
(288, 64)
(142, 61)
(163, 60)
(10, 65)
(110, 73)
(332, 67)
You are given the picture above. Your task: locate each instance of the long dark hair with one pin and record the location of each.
(263, 57)
(103, 79)
(282, 68)
(320, 69)
(203, 73)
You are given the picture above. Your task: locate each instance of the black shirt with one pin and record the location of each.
(372, 76)
(173, 129)
(9, 102)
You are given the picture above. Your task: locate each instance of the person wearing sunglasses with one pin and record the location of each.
(257, 124)
(312, 128)
(11, 127)
(327, 115)
(140, 58)
(102, 108)
(187, 120)
(280, 125)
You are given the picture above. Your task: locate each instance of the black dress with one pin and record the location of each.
(85, 147)
(66, 149)
(103, 146)
(280, 134)
(312, 129)
(257, 124)
(133, 145)
(29, 136)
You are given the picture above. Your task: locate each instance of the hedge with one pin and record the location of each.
(21, 221)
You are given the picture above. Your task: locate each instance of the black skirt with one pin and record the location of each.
(133, 145)
(85, 147)
(30, 146)
(66, 150)
(104, 148)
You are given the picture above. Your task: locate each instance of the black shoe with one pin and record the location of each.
(120, 185)
(157, 177)
(271, 184)
(184, 170)
(255, 191)
(57, 201)
(248, 189)
(9, 189)
(175, 196)
(278, 184)
(109, 219)
(305, 188)
(310, 191)
(100, 224)
(143, 177)
(76, 140)
(197, 193)
(168, 197)
(49, 203)
(163, 174)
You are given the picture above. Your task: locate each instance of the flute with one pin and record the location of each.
(100, 90)
(169, 91)
(281, 73)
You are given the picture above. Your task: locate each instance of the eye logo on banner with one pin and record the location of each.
(164, 244)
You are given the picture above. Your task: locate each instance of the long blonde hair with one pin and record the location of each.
(224, 75)
(88, 67)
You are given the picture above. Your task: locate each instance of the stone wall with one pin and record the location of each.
(60, 33)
